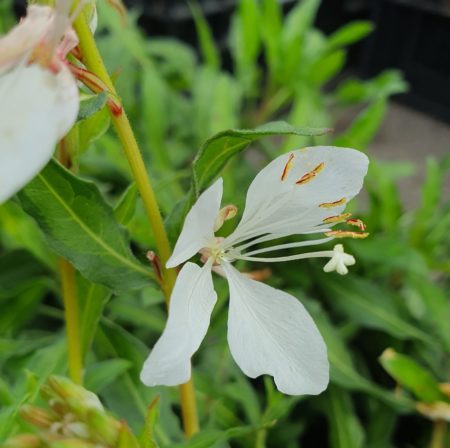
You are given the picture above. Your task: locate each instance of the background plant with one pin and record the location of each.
(397, 296)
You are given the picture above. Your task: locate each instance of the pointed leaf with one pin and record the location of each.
(80, 226)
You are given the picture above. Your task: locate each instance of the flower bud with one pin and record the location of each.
(24, 441)
(37, 416)
(126, 438)
(102, 427)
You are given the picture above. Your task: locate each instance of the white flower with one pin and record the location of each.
(39, 95)
(269, 331)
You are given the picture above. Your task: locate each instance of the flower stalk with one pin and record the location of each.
(71, 316)
(93, 61)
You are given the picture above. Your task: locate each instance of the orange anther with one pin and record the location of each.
(333, 204)
(288, 166)
(357, 223)
(347, 234)
(338, 218)
(311, 175)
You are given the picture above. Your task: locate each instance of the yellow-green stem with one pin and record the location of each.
(438, 434)
(94, 62)
(71, 314)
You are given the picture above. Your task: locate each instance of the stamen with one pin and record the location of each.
(311, 175)
(288, 166)
(225, 213)
(347, 234)
(357, 223)
(338, 218)
(323, 254)
(289, 246)
(333, 204)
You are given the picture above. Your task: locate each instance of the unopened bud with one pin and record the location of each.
(78, 399)
(102, 427)
(37, 416)
(23, 441)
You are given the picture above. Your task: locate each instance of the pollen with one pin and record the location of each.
(338, 218)
(311, 174)
(288, 166)
(333, 204)
(357, 223)
(347, 234)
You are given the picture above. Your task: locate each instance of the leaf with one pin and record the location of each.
(90, 104)
(103, 373)
(18, 270)
(350, 33)
(412, 376)
(364, 127)
(208, 48)
(92, 128)
(345, 429)
(327, 67)
(342, 369)
(217, 150)
(80, 226)
(125, 207)
(246, 42)
(372, 307)
(387, 83)
(271, 18)
(297, 24)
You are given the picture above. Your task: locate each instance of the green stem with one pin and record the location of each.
(71, 315)
(438, 434)
(94, 62)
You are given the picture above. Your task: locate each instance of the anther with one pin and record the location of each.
(333, 204)
(357, 223)
(338, 218)
(347, 234)
(288, 166)
(311, 175)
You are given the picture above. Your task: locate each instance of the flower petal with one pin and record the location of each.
(198, 228)
(38, 109)
(270, 332)
(296, 191)
(25, 36)
(191, 305)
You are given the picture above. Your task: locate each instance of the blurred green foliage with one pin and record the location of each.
(397, 296)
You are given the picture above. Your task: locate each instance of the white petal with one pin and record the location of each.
(191, 304)
(38, 108)
(25, 36)
(276, 205)
(198, 228)
(270, 332)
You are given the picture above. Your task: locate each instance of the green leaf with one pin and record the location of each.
(345, 429)
(246, 42)
(342, 369)
(100, 374)
(364, 127)
(298, 23)
(126, 205)
(411, 375)
(80, 226)
(327, 67)
(387, 83)
(372, 307)
(350, 33)
(220, 148)
(91, 129)
(208, 48)
(90, 104)
(271, 19)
